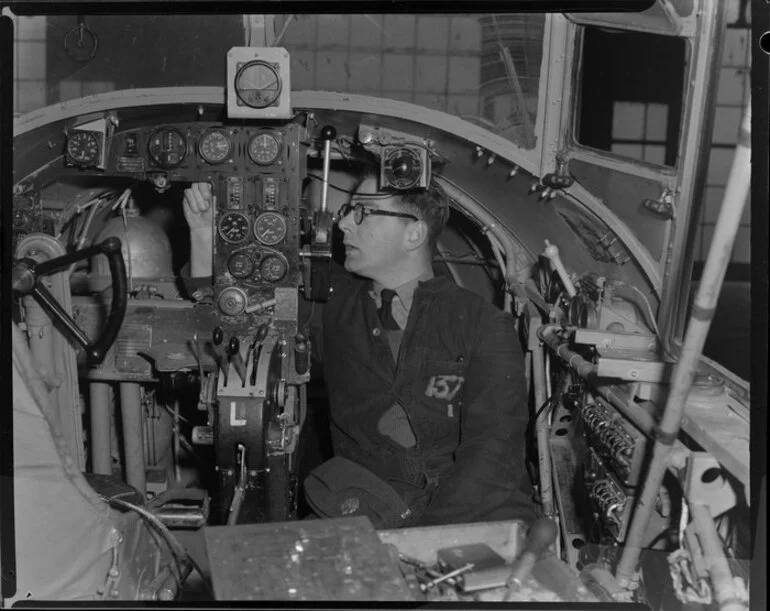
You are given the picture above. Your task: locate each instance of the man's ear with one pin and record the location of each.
(416, 235)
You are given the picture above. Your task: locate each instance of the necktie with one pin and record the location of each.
(386, 315)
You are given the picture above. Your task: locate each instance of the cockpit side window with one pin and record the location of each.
(631, 94)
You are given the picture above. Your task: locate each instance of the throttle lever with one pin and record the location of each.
(234, 350)
(328, 133)
(259, 337)
(217, 336)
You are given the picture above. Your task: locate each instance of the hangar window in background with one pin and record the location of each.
(631, 94)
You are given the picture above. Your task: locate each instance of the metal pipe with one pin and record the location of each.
(725, 591)
(578, 363)
(541, 426)
(703, 310)
(133, 434)
(101, 450)
(518, 261)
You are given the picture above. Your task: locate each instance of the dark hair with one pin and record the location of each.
(430, 205)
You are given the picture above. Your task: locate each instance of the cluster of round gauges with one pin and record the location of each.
(83, 147)
(272, 268)
(168, 147)
(269, 228)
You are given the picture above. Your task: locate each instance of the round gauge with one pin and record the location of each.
(168, 147)
(270, 228)
(257, 84)
(240, 265)
(83, 147)
(234, 227)
(232, 301)
(264, 148)
(273, 268)
(215, 146)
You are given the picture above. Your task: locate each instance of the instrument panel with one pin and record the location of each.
(256, 173)
(182, 148)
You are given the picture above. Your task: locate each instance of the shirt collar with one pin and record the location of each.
(405, 291)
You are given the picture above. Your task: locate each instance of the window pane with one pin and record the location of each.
(631, 94)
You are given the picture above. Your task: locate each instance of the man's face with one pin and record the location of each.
(377, 245)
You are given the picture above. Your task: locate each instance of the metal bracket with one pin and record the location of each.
(110, 588)
(604, 340)
(663, 206)
(632, 370)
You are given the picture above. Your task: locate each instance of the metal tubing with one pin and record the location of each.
(543, 452)
(703, 310)
(133, 434)
(327, 162)
(725, 591)
(582, 367)
(101, 450)
(516, 275)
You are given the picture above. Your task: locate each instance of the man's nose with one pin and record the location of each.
(345, 223)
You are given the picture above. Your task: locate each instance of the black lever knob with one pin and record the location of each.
(328, 132)
(233, 346)
(218, 336)
(301, 354)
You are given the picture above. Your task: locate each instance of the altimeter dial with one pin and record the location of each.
(215, 146)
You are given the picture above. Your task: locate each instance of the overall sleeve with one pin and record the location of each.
(488, 480)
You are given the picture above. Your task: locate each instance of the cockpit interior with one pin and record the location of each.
(165, 418)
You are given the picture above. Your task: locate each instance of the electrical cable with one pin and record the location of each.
(177, 550)
(180, 416)
(528, 433)
(646, 301)
(336, 188)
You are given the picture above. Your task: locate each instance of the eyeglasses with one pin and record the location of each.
(360, 211)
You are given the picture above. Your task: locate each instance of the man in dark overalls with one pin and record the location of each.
(425, 379)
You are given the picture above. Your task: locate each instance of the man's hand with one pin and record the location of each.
(198, 210)
(199, 213)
